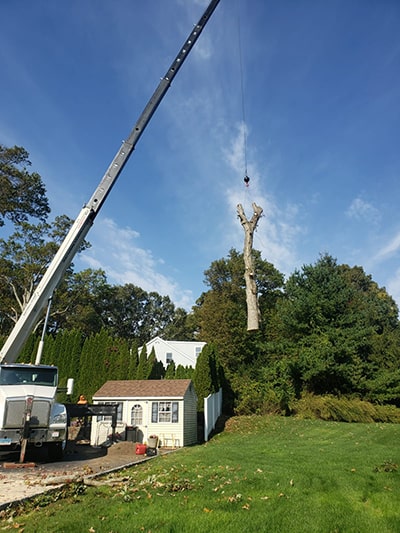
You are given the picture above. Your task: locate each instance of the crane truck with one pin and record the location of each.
(29, 413)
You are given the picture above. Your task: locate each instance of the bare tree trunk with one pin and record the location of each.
(253, 311)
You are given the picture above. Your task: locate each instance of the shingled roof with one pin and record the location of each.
(138, 388)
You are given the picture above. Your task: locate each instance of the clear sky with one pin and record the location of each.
(321, 92)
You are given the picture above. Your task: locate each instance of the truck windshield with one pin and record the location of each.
(34, 376)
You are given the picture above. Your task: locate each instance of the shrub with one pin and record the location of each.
(343, 409)
(256, 398)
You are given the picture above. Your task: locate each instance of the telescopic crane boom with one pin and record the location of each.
(71, 244)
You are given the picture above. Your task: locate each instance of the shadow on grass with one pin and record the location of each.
(219, 426)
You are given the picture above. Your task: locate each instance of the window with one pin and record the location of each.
(165, 412)
(168, 358)
(17, 375)
(136, 415)
(198, 351)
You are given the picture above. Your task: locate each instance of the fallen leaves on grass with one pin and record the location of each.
(235, 498)
(386, 466)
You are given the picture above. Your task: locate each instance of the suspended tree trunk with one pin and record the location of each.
(253, 311)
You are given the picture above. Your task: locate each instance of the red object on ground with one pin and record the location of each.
(141, 449)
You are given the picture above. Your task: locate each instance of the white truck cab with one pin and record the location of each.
(28, 410)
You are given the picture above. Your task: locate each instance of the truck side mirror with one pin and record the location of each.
(70, 386)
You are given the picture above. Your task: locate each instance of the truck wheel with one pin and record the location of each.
(55, 451)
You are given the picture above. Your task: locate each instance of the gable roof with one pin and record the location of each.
(146, 388)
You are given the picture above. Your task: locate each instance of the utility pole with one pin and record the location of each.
(249, 226)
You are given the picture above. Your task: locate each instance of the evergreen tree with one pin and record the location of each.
(205, 376)
(158, 370)
(133, 361)
(181, 372)
(119, 359)
(333, 319)
(95, 363)
(142, 369)
(171, 369)
(29, 350)
(152, 366)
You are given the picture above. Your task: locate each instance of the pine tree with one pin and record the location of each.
(205, 375)
(180, 372)
(133, 361)
(152, 365)
(171, 369)
(158, 370)
(142, 366)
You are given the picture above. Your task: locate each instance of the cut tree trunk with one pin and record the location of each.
(253, 311)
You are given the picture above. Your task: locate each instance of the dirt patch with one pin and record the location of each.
(80, 460)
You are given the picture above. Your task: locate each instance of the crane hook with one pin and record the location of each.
(246, 180)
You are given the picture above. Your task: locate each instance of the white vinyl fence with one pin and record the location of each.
(212, 410)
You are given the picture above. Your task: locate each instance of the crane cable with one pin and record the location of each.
(246, 178)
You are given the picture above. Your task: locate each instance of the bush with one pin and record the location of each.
(250, 398)
(255, 398)
(343, 409)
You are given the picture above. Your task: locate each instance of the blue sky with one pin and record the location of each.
(322, 107)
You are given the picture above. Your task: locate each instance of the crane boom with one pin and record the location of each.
(75, 237)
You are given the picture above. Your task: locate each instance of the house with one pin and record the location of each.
(166, 408)
(183, 353)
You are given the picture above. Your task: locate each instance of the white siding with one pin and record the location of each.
(184, 353)
(175, 422)
(171, 434)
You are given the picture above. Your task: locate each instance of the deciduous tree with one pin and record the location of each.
(220, 313)
(24, 258)
(133, 313)
(23, 194)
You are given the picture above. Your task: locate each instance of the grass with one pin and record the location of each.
(270, 474)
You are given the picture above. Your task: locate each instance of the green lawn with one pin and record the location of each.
(262, 474)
